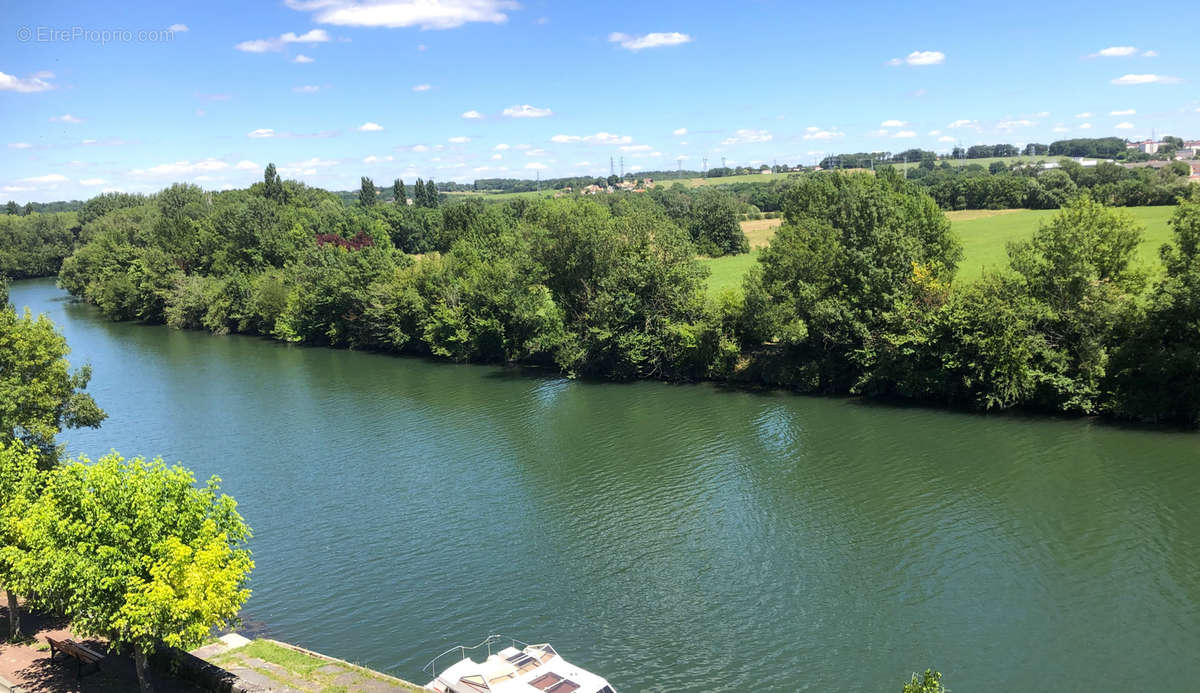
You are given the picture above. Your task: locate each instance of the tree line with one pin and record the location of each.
(856, 294)
(129, 550)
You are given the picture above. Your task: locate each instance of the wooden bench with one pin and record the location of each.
(83, 656)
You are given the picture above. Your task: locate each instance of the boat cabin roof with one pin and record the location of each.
(534, 669)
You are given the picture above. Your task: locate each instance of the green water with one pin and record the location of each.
(671, 538)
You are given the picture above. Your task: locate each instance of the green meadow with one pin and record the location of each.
(984, 235)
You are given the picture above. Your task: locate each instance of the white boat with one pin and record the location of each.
(510, 666)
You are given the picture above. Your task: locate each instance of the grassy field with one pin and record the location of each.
(984, 235)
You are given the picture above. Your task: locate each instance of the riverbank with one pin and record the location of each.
(271, 664)
(238, 664)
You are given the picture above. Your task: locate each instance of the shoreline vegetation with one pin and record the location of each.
(856, 293)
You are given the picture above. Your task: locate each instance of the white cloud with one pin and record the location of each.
(1150, 54)
(501, 147)
(1123, 126)
(376, 159)
(1114, 52)
(597, 138)
(306, 89)
(527, 111)
(178, 28)
(1085, 126)
(422, 87)
(497, 157)
(679, 132)
(182, 168)
(535, 166)
(815, 133)
(370, 127)
(904, 134)
(277, 44)
(1061, 128)
(746, 136)
(246, 165)
(27, 85)
(1042, 114)
(1083, 115)
(309, 167)
(19, 145)
(51, 179)
(963, 124)
(301, 58)
(461, 139)
(473, 115)
(893, 124)
(314, 36)
(1010, 124)
(934, 132)
(945, 138)
(536, 152)
(1123, 112)
(877, 133)
(1126, 80)
(261, 133)
(66, 118)
(917, 58)
(93, 181)
(636, 148)
(653, 40)
(419, 148)
(395, 14)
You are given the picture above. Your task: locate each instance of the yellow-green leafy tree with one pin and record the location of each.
(20, 484)
(135, 552)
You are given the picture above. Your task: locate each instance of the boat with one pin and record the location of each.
(510, 666)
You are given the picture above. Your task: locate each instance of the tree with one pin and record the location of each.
(28, 209)
(272, 185)
(1157, 367)
(930, 682)
(837, 268)
(399, 194)
(39, 394)
(366, 193)
(12, 208)
(714, 224)
(20, 483)
(134, 552)
(419, 193)
(1080, 267)
(431, 194)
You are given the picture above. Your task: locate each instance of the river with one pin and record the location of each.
(670, 538)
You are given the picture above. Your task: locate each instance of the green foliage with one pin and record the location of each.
(839, 265)
(35, 245)
(39, 394)
(1156, 371)
(431, 194)
(134, 552)
(399, 193)
(855, 294)
(930, 682)
(106, 203)
(21, 481)
(714, 224)
(272, 184)
(1079, 268)
(366, 193)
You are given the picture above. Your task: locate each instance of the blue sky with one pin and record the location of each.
(96, 96)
